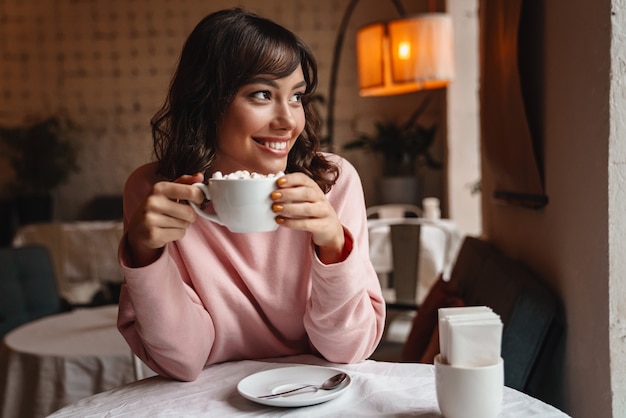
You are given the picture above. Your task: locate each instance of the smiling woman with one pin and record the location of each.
(197, 293)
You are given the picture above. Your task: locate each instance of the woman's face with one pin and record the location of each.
(261, 125)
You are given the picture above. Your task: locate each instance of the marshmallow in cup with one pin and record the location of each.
(241, 200)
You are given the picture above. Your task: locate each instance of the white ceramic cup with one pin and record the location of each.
(469, 392)
(241, 205)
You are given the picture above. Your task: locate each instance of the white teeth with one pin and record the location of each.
(276, 145)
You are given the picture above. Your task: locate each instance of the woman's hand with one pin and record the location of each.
(162, 218)
(300, 204)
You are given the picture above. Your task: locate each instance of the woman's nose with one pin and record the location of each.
(285, 118)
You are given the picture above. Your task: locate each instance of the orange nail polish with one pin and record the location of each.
(277, 208)
(281, 181)
(280, 220)
(276, 195)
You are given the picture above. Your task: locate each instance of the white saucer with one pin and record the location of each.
(291, 377)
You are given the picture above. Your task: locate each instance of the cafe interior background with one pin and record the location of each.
(106, 66)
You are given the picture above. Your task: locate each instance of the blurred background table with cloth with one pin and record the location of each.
(84, 255)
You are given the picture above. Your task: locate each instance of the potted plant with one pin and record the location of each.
(405, 149)
(42, 156)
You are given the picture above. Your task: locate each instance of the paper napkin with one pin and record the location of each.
(470, 336)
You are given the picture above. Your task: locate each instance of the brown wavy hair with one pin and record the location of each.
(223, 53)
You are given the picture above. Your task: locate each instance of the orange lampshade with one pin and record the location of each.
(405, 55)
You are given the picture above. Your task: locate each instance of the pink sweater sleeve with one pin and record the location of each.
(166, 337)
(345, 319)
(159, 312)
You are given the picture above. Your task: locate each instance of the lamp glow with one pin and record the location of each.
(404, 51)
(423, 55)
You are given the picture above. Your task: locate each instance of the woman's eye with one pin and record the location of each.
(261, 95)
(297, 98)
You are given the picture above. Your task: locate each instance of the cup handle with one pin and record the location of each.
(196, 208)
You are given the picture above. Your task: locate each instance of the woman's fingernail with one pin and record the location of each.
(280, 220)
(276, 195)
(277, 208)
(281, 181)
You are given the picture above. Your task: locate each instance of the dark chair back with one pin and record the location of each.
(531, 313)
(405, 244)
(28, 287)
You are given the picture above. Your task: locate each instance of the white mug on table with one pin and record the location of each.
(469, 392)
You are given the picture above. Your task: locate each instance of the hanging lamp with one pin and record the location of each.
(405, 55)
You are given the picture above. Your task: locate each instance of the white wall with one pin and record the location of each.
(463, 170)
(617, 214)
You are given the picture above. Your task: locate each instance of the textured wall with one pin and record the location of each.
(107, 64)
(617, 215)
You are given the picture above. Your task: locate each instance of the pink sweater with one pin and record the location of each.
(215, 296)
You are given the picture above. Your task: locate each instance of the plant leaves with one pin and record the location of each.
(404, 147)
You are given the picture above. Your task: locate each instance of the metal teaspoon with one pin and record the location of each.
(331, 383)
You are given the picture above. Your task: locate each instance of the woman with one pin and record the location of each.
(197, 294)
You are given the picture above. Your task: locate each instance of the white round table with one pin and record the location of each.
(377, 389)
(60, 359)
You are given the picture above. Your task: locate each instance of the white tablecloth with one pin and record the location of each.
(378, 389)
(439, 246)
(84, 254)
(61, 359)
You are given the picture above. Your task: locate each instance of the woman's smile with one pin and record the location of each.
(274, 144)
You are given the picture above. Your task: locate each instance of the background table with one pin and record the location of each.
(378, 389)
(84, 255)
(60, 359)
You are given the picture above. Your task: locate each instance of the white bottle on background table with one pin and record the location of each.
(430, 207)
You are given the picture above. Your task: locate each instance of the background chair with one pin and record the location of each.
(27, 286)
(417, 262)
(380, 249)
(532, 315)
